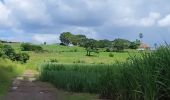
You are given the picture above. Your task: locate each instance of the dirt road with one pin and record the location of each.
(26, 87)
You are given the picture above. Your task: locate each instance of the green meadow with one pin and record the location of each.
(73, 54)
(127, 75)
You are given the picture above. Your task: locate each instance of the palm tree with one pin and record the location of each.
(140, 36)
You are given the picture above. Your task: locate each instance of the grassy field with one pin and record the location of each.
(127, 75)
(140, 78)
(74, 54)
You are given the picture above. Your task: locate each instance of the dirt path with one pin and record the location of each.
(26, 87)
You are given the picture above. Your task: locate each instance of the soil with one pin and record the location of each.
(26, 87)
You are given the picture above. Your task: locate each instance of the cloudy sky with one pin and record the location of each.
(43, 20)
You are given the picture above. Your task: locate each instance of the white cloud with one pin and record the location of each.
(49, 38)
(5, 20)
(164, 22)
(149, 21)
(29, 12)
(89, 32)
(94, 18)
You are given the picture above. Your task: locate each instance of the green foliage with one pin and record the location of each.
(6, 51)
(103, 43)
(140, 78)
(30, 47)
(91, 46)
(134, 45)
(119, 44)
(65, 38)
(111, 55)
(22, 57)
(54, 60)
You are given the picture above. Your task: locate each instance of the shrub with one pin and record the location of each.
(22, 57)
(6, 51)
(30, 47)
(111, 55)
(54, 60)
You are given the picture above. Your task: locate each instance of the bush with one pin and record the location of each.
(6, 51)
(30, 47)
(111, 55)
(22, 57)
(54, 60)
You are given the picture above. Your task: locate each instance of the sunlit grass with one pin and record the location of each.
(8, 70)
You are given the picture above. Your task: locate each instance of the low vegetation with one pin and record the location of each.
(8, 70)
(30, 47)
(146, 77)
(7, 52)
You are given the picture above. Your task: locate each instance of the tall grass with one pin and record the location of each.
(146, 77)
(8, 70)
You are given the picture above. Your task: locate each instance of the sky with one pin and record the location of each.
(43, 20)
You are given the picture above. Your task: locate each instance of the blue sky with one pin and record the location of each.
(43, 20)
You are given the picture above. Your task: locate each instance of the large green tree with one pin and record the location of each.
(66, 37)
(119, 44)
(90, 45)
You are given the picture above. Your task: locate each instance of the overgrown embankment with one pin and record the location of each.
(140, 78)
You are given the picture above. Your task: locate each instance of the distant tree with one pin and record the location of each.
(30, 47)
(140, 36)
(119, 45)
(45, 43)
(66, 37)
(156, 45)
(90, 46)
(103, 43)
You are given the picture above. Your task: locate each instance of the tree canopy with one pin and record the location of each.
(67, 38)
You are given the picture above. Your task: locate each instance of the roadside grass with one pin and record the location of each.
(8, 70)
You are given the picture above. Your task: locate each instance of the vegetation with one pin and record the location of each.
(8, 70)
(30, 47)
(117, 45)
(139, 78)
(6, 51)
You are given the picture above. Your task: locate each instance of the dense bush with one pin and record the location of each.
(30, 47)
(6, 51)
(111, 55)
(140, 78)
(22, 57)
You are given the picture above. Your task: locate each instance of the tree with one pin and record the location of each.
(140, 36)
(119, 45)
(103, 43)
(45, 43)
(65, 38)
(134, 45)
(90, 46)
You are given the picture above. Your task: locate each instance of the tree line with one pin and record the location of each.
(118, 44)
